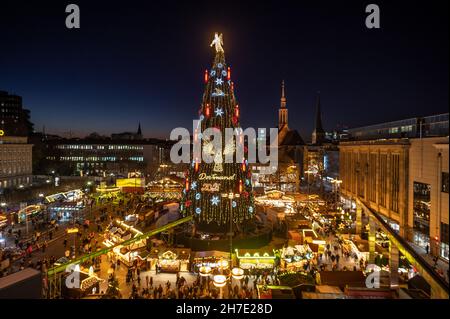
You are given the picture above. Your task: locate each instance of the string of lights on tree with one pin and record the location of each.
(206, 182)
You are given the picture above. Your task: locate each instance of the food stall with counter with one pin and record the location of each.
(208, 259)
(169, 259)
(119, 232)
(295, 257)
(254, 258)
(89, 284)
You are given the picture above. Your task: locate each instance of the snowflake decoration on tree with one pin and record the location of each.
(215, 200)
(219, 81)
(194, 185)
(218, 111)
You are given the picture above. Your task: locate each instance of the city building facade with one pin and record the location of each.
(15, 162)
(400, 170)
(104, 157)
(14, 119)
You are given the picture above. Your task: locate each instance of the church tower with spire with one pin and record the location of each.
(318, 135)
(139, 131)
(283, 111)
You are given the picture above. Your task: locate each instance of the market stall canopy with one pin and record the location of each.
(342, 279)
(314, 247)
(275, 292)
(211, 253)
(418, 282)
(168, 253)
(325, 289)
(295, 236)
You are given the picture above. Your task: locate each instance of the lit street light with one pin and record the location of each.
(231, 196)
(237, 273)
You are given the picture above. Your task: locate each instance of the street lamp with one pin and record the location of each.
(220, 281)
(205, 271)
(237, 273)
(231, 196)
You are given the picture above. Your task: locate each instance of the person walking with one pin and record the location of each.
(427, 249)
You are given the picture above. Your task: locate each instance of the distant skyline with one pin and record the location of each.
(144, 62)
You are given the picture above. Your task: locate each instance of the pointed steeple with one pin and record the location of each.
(139, 131)
(318, 124)
(318, 134)
(283, 96)
(283, 111)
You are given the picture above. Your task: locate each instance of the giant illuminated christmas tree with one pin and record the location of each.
(215, 192)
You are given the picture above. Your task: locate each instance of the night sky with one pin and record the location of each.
(143, 61)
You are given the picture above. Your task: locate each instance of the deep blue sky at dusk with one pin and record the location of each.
(143, 61)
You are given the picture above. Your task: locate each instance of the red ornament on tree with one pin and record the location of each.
(235, 120)
(188, 203)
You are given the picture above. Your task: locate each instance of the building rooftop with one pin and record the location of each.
(428, 126)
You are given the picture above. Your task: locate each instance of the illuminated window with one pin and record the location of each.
(393, 130)
(444, 241)
(444, 182)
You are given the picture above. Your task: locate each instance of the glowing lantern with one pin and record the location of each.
(204, 271)
(240, 186)
(187, 184)
(237, 273)
(207, 110)
(206, 76)
(220, 281)
(228, 73)
(236, 110)
(222, 263)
